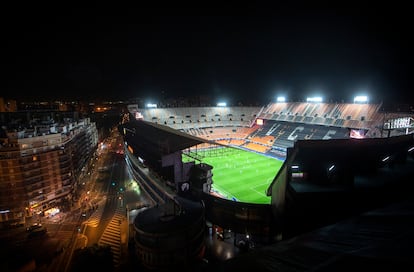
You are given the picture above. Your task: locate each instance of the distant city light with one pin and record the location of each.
(150, 105)
(360, 99)
(314, 99)
(221, 104)
(281, 99)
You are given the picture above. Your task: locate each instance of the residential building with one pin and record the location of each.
(41, 164)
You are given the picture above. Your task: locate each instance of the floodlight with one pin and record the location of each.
(281, 99)
(151, 105)
(361, 99)
(314, 99)
(221, 104)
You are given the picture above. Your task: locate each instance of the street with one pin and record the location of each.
(97, 217)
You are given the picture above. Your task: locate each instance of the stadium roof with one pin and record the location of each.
(157, 138)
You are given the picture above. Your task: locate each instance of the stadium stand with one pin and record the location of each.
(190, 117)
(324, 113)
(285, 123)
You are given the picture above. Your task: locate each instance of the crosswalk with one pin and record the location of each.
(95, 218)
(112, 235)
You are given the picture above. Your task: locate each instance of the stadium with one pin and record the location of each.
(249, 170)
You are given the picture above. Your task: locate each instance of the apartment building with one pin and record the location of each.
(40, 166)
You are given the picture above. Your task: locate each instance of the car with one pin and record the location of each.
(40, 231)
(33, 227)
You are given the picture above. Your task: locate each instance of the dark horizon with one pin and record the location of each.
(246, 54)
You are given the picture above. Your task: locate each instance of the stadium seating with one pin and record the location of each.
(284, 123)
(334, 114)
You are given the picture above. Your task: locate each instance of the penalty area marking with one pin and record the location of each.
(258, 192)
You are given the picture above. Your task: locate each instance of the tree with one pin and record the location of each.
(95, 258)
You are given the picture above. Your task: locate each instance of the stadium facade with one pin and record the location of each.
(350, 140)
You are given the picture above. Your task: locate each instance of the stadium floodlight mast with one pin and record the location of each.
(314, 99)
(361, 99)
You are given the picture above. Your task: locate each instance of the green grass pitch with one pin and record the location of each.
(241, 175)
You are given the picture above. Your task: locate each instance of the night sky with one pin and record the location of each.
(234, 53)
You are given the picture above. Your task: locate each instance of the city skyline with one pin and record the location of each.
(244, 53)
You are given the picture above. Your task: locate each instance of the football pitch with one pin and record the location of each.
(240, 175)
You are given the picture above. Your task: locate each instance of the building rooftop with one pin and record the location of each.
(377, 240)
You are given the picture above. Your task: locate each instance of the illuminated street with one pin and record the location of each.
(98, 217)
